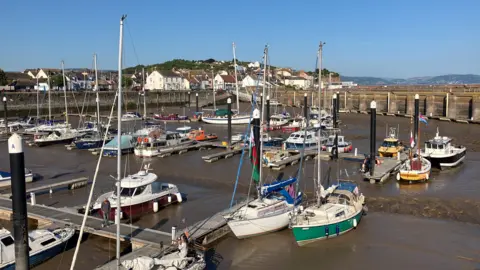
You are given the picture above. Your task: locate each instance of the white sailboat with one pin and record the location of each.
(222, 119)
(270, 211)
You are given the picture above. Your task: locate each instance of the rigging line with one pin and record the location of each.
(89, 201)
(133, 44)
(245, 143)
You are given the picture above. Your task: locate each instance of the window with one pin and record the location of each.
(170, 136)
(140, 190)
(7, 241)
(44, 243)
(127, 192)
(440, 146)
(340, 214)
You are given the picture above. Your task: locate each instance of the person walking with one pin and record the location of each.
(106, 212)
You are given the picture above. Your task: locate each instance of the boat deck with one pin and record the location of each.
(382, 171)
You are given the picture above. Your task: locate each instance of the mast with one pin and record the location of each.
(236, 81)
(213, 89)
(97, 99)
(65, 93)
(319, 168)
(38, 106)
(265, 53)
(49, 104)
(144, 95)
(119, 137)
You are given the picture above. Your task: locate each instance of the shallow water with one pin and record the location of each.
(381, 241)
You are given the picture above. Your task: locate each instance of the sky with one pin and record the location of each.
(391, 39)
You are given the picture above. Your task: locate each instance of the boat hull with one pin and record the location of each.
(53, 142)
(224, 121)
(113, 152)
(136, 210)
(289, 145)
(447, 161)
(307, 234)
(341, 149)
(89, 144)
(254, 227)
(5, 182)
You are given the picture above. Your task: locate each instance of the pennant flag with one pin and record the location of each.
(423, 119)
(412, 142)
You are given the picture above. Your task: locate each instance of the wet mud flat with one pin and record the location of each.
(450, 209)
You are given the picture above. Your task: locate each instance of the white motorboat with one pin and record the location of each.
(279, 120)
(65, 136)
(183, 131)
(48, 127)
(6, 178)
(272, 156)
(153, 146)
(442, 153)
(140, 194)
(43, 244)
(223, 120)
(343, 146)
(296, 140)
(131, 116)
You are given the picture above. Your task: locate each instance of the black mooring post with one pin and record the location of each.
(5, 113)
(373, 134)
(229, 111)
(268, 112)
(415, 119)
(305, 108)
(338, 106)
(334, 110)
(196, 102)
(188, 99)
(19, 202)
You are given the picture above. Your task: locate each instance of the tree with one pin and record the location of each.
(3, 78)
(57, 80)
(127, 82)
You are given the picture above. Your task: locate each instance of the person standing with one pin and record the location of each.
(106, 212)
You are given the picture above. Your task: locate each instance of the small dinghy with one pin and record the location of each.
(6, 177)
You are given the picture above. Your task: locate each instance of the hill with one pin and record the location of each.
(427, 80)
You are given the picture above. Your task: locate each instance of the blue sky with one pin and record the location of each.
(364, 37)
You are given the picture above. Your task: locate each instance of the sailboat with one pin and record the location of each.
(93, 139)
(220, 117)
(270, 211)
(416, 168)
(58, 135)
(337, 210)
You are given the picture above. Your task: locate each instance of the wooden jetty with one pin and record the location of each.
(222, 155)
(185, 148)
(387, 167)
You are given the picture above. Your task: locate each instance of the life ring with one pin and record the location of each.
(145, 140)
(139, 139)
(398, 176)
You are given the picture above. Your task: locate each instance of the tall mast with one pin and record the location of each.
(144, 95)
(265, 53)
(65, 93)
(319, 169)
(119, 137)
(38, 105)
(236, 80)
(97, 98)
(213, 88)
(49, 100)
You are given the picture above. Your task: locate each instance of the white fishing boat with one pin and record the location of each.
(343, 146)
(131, 116)
(279, 120)
(442, 153)
(140, 194)
(63, 136)
(6, 178)
(296, 140)
(183, 131)
(151, 146)
(43, 245)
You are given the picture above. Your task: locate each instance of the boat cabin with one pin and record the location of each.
(341, 140)
(438, 145)
(141, 183)
(132, 115)
(183, 131)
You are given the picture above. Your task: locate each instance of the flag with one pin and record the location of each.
(423, 119)
(412, 142)
(255, 152)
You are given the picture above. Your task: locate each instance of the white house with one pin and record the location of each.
(253, 81)
(254, 65)
(225, 82)
(297, 82)
(283, 73)
(165, 80)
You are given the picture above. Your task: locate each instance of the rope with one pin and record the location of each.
(254, 98)
(77, 248)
